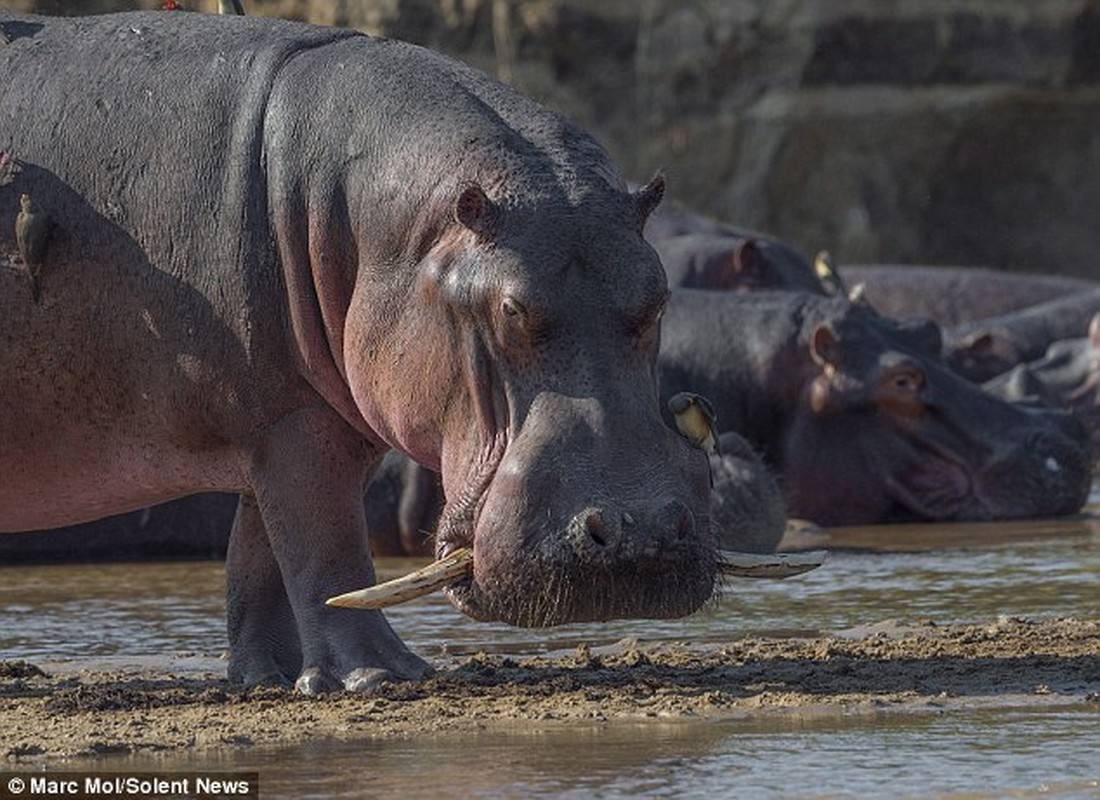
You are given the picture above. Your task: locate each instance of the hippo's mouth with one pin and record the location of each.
(932, 482)
(545, 573)
(456, 534)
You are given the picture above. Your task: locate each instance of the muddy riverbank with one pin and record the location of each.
(65, 710)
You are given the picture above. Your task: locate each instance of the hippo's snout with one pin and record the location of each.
(575, 529)
(602, 533)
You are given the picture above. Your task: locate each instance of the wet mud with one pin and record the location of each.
(882, 668)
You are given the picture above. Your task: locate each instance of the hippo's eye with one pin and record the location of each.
(643, 325)
(908, 381)
(511, 307)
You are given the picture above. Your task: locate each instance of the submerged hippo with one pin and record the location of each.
(700, 252)
(735, 261)
(985, 348)
(281, 249)
(1066, 376)
(952, 296)
(861, 418)
(403, 503)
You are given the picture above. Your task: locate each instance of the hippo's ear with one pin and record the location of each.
(474, 210)
(825, 346)
(747, 261)
(648, 197)
(739, 268)
(1094, 331)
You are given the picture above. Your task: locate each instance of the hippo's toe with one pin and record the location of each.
(315, 680)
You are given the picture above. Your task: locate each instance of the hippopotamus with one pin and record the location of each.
(1066, 376)
(279, 251)
(700, 252)
(988, 347)
(735, 261)
(403, 503)
(952, 296)
(747, 506)
(859, 416)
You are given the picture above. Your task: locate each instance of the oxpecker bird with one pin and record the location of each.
(32, 227)
(827, 274)
(696, 421)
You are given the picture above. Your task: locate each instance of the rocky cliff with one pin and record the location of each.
(926, 131)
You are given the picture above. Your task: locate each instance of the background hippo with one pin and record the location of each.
(1067, 376)
(860, 417)
(985, 348)
(734, 261)
(403, 503)
(278, 251)
(954, 295)
(704, 253)
(747, 505)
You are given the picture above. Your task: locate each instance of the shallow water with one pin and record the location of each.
(76, 615)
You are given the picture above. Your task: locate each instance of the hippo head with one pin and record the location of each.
(523, 368)
(929, 444)
(735, 262)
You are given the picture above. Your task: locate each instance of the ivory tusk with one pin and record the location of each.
(769, 565)
(423, 581)
(460, 563)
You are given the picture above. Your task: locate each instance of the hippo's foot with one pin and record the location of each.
(256, 672)
(315, 680)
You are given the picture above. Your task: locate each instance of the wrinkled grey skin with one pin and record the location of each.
(983, 349)
(282, 249)
(1067, 376)
(859, 417)
(952, 296)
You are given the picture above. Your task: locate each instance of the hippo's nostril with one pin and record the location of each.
(597, 531)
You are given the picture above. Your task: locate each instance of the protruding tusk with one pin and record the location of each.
(423, 581)
(770, 565)
(460, 564)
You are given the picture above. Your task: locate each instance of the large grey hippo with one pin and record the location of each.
(279, 250)
(860, 417)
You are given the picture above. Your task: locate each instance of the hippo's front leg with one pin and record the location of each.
(308, 482)
(263, 637)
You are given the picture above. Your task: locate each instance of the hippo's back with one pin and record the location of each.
(131, 379)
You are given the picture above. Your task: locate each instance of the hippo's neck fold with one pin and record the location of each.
(488, 443)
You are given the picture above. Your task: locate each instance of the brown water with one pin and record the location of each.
(68, 617)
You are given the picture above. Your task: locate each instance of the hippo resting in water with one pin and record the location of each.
(1066, 376)
(735, 261)
(699, 252)
(985, 348)
(953, 296)
(280, 250)
(860, 417)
